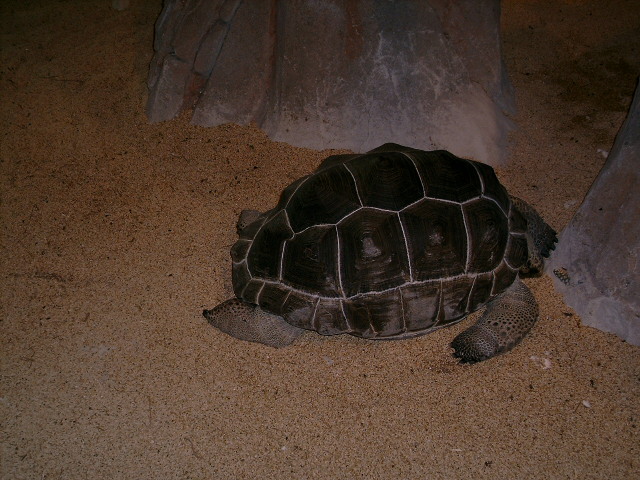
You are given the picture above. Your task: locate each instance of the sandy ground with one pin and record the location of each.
(115, 236)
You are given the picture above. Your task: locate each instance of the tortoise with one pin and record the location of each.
(390, 244)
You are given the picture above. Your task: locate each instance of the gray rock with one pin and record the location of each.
(338, 74)
(597, 254)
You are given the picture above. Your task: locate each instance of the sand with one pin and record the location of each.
(116, 233)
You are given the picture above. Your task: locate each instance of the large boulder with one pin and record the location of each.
(598, 253)
(338, 73)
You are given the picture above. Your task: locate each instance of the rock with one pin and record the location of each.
(598, 252)
(338, 74)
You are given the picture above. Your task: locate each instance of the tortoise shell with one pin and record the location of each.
(391, 243)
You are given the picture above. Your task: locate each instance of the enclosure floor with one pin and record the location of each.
(116, 234)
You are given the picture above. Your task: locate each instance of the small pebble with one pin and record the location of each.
(545, 363)
(329, 360)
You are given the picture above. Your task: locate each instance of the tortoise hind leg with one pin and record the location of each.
(541, 238)
(248, 322)
(506, 320)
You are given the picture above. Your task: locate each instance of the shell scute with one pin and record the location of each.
(240, 250)
(488, 234)
(503, 277)
(421, 304)
(436, 239)
(447, 177)
(251, 292)
(379, 178)
(272, 296)
(492, 187)
(310, 261)
(376, 315)
(481, 291)
(323, 198)
(334, 160)
(266, 250)
(241, 277)
(329, 318)
(298, 309)
(517, 251)
(455, 299)
(374, 256)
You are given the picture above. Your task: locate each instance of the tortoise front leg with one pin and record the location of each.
(506, 320)
(248, 322)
